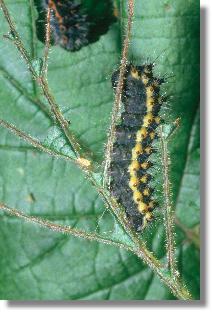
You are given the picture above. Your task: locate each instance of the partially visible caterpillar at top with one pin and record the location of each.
(129, 168)
(69, 26)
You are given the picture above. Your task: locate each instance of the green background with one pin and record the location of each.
(36, 264)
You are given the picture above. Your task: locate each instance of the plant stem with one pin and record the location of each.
(59, 117)
(118, 95)
(47, 44)
(62, 229)
(174, 285)
(168, 213)
(32, 141)
(82, 163)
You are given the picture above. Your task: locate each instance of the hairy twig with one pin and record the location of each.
(62, 228)
(118, 96)
(59, 117)
(83, 163)
(168, 213)
(140, 249)
(17, 40)
(47, 44)
(116, 209)
(32, 141)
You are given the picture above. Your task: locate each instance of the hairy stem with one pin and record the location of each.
(32, 141)
(168, 213)
(61, 228)
(83, 163)
(17, 40)
(117, 103)
(59, 117)
(179, 290)
(47, 43)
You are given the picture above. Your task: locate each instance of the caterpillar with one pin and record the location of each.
(129, 167)
(69, 26)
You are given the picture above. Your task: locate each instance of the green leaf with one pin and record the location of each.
(37, 264)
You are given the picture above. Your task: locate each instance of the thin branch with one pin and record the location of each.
(32, 141)
(178, 290)
(33, 52)
(83, 163)
(118, 96)
(17, 40)
(62, 228)
(168, 212)
(64, 124)
(47, 43)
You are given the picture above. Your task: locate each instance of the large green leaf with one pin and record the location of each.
(43, 265)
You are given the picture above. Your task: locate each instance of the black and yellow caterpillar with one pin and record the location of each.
(129, 175)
